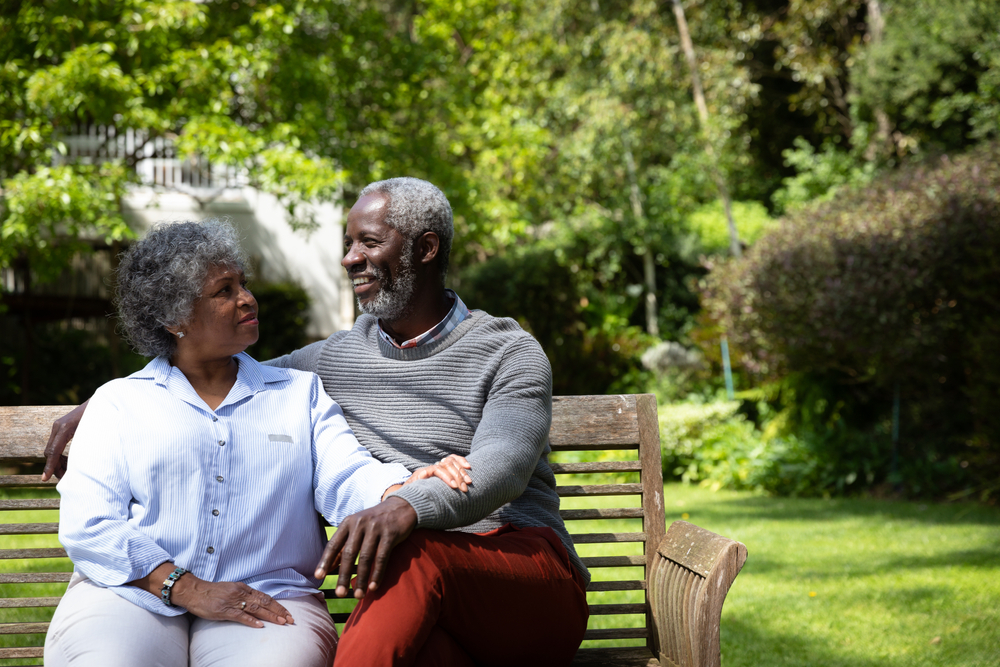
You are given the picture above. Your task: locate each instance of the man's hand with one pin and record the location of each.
(63, 430)
(369, 535)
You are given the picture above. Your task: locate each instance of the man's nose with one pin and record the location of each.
(352, 257)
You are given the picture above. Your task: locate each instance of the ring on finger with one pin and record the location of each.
(243, 605)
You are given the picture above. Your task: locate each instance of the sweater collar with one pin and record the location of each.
(367, 326)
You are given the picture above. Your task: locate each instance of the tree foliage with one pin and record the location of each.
(890, 286)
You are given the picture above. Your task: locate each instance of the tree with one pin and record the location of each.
(305, 97)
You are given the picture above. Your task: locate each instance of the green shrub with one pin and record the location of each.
(590, 350)
(64, 366)
(715, 445)
(892, 284)
(284, 309)
(709, 224)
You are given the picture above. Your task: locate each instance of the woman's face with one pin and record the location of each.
(224, 319)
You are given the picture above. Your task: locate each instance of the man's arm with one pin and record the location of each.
(303, 359)
(63, 430)
(509, 440)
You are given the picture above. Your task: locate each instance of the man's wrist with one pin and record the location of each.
(402, 507)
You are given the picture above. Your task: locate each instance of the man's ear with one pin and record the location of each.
(427, 246)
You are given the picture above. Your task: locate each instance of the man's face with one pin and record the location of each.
(378, 262)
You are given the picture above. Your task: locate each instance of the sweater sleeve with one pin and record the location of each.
(509, 440)
(303, 359)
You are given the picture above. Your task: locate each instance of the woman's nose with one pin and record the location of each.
(246, 296)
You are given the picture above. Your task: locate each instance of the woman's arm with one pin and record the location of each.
(93, 520)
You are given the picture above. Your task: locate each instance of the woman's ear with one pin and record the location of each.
(427, 246)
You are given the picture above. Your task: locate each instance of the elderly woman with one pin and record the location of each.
(189, 511)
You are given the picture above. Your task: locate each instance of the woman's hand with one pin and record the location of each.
(228, 601)
(452, 469)
(223, 601)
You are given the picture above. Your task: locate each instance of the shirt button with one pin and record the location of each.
(221, 443)
(210, 550)
(215, 512)
(219, 478)
(214, 418)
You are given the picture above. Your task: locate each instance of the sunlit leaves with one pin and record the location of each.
(46, 213)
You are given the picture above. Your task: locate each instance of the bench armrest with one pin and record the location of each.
(691, 574)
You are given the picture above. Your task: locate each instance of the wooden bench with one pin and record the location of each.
(677, 579)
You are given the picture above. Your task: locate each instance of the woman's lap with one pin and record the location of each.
(310, 642)
(94, 627)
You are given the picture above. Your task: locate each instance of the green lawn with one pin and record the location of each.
(855, 583)
(840, 583)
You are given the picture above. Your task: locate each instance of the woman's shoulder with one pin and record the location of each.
(145, 378)
(261, 376)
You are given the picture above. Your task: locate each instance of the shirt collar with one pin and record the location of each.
(251, 377)
(458, 314)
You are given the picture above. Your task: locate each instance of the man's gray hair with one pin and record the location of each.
(162, 275)
(415, 207)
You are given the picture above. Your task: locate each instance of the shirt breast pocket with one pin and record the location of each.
(280, 458)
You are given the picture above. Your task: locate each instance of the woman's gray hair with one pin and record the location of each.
(162, 275)
(415, 207)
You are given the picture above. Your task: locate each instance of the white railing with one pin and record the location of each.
(155, 159)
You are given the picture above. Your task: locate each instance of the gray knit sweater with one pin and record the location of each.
(483, 391)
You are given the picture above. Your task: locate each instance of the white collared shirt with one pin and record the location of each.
(230, 494)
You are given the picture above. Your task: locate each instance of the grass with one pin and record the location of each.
(834, 583)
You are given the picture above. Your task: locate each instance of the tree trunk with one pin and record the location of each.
(882, 141)
(699, 100)
(648, 263)
(29, 341)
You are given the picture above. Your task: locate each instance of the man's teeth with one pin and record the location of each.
(361, 281)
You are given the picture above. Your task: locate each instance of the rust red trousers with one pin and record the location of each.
(450, 599)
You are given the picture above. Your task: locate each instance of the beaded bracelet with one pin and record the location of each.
(168, 585)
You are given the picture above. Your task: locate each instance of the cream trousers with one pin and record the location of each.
(93, 627)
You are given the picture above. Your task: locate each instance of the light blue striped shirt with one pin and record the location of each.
(229, 494)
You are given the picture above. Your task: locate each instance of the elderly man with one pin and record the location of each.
(420, 376)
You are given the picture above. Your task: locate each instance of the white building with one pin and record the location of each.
(173, 190)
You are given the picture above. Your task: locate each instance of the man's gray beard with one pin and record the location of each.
(393, 299)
